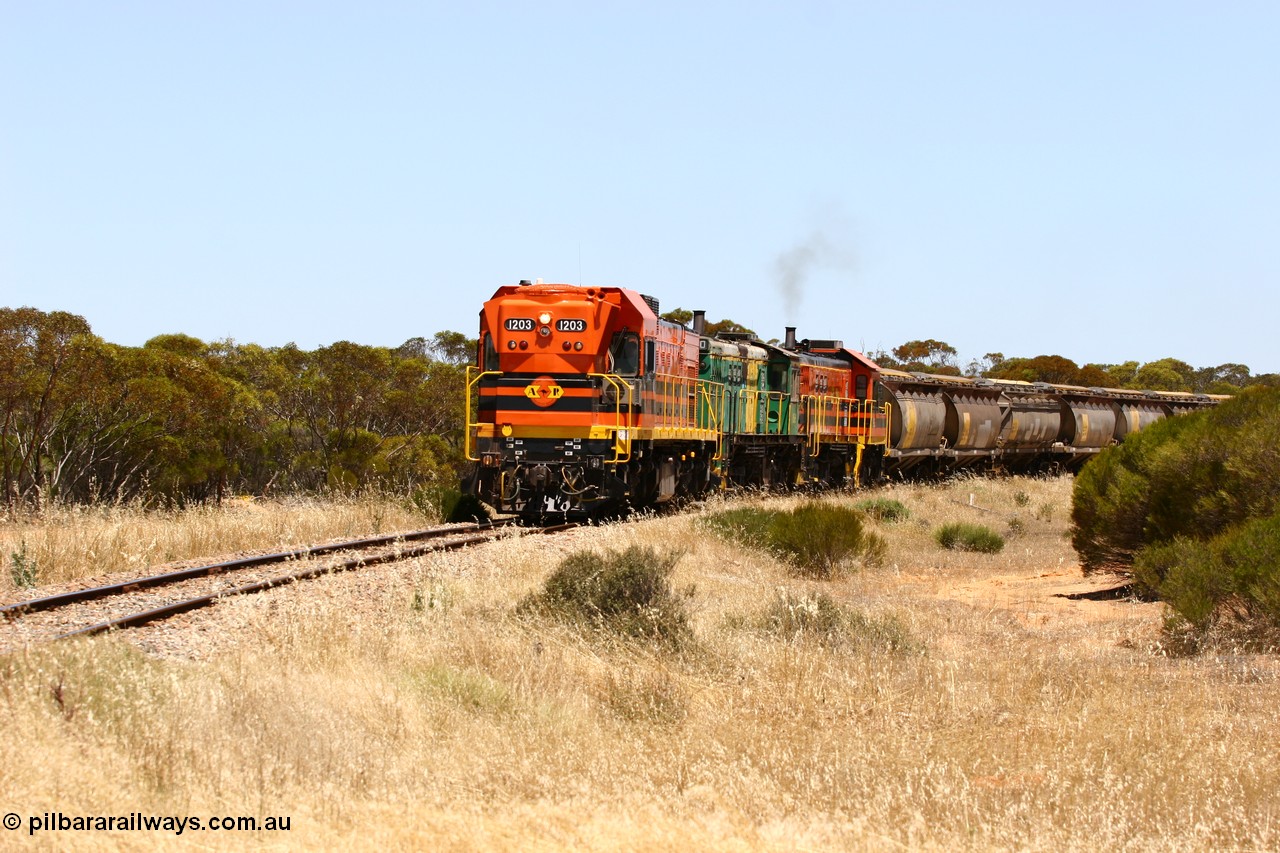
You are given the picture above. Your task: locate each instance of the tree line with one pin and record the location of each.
(180, 420)
(1166, 374)
(932, 356)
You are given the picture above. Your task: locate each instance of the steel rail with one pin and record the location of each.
(53, 602)
(177, 607)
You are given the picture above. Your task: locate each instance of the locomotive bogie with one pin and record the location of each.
(537, 478)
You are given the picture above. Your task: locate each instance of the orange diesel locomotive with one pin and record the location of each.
(584, 401)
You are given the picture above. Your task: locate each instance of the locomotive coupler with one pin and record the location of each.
(539, 476)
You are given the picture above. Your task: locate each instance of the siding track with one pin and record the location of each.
(143, 600)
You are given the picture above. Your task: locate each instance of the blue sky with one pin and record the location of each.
(1098, 180)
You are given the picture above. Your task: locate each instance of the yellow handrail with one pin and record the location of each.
(851, 420)
(676, 400)
(711, 399)
(621, 431)
(471, 384)
(884, 411)
(750, 409)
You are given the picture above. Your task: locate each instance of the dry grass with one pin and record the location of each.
(414, 709)
(68, 543)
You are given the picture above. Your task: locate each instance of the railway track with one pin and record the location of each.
(140, 601)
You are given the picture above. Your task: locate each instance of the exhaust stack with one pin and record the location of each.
(699, 322)
(791, 338)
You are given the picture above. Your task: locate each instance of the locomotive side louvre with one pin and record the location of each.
(742, 369)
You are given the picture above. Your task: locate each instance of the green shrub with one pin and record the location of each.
(1232, 578)
(883, 509)
(818, 539)
(1191, 506)
(1021, 498)
(821, 618)
(1192, 476)
(748, 525)
(961, 536)
(623, 592)
(22, 569)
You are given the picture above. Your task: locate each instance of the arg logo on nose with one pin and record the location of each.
(543, 391)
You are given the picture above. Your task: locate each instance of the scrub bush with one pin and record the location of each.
(1191, 508)
(961, 536)
(1192, 476)
(22, 569)
(884, 509)
(818, 539)
(748, 525)
(627, 593)
(1228, 585)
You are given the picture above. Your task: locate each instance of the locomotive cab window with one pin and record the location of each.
(624, 354)
(778, 375)
(490, 354)
(861, 387)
